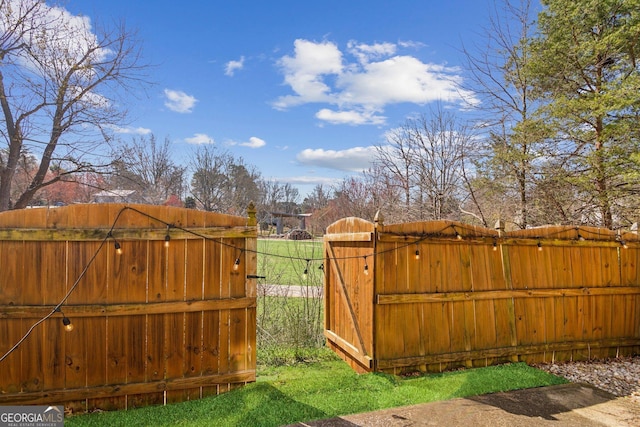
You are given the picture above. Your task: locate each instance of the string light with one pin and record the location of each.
(417, 252)
(305, 274)
(116, 244)
(68, 326)
(167, 237)
(495, 245)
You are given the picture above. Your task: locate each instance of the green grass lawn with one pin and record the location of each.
(323, 389)
(284, 261)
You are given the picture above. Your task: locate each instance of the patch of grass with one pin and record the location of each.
(324, 389)
(284, 261)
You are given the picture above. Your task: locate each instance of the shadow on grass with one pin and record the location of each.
(257, 404)
(264, 405)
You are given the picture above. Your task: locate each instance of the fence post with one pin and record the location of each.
(377, 281)
(251, 256)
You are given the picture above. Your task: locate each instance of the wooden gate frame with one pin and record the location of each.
(351, 335)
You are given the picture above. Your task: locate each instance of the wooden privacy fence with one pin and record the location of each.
(436, 295)
(171, 318)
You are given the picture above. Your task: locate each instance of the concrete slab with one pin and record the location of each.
(563, 405)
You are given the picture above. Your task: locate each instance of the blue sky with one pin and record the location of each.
(300, 89)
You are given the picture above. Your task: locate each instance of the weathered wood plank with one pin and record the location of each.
(121, 234)
(117, 390)
(495, 295)
(506, 352)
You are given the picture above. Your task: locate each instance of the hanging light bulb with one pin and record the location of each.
(167, 237)
(417, 252)
(305, 273)
(116, 244)
(624, 244)
(539, 246)
(366, 267)
(458, 236)
(495, 245)
(68, 326)
(236, 265)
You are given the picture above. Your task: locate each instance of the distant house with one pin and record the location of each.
(116, 196)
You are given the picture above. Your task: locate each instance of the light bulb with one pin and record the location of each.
(68, 326)
(417, 254)
(539, 246)
(305, 274)
(495, 246)
(167, 239)
(118, 248)
(236, 265)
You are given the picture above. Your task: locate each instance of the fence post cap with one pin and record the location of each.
(251, 214)
(378, 219)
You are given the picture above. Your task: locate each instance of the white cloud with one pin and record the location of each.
(232, 66)
(349, 117)
(355, 159)
(362, 88)
(367, 52)
(308, 180)
(200, 138)
(305, 70)
(254, 142)
(129, 130)
(179, 101)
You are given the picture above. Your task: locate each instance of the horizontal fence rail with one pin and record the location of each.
(161, 310)
(441, 294)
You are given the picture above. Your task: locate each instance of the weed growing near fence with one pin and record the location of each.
(290, 303)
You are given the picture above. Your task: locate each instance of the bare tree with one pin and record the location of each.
(396, 161)
(146, 166)
(60, 80)
(514, 137)
(424, 161)
(223, 183)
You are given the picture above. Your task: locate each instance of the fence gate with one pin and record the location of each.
(348, 290)
(159, 299)
(436, 295)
